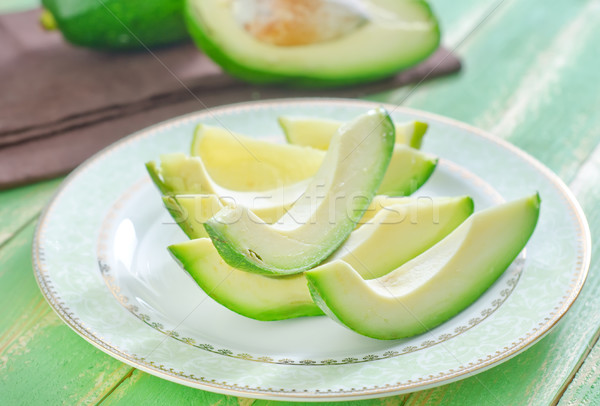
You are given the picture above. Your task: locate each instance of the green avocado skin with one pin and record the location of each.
(119, 24)
(204, 40)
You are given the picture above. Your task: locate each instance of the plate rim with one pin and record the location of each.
(581, 267)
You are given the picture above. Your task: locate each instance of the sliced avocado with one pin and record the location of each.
(389, 35)
(191, 211)
(238, 170)
(409, 169)
(182, 174)
(154, 173)
(256, 296)
(244, 163)
(317, 132)
(117, 24)
(401, 230)
(323, 217)
(190, 194)
(434, 286)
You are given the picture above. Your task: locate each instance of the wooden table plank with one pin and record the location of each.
(19, 206)
(42, 361)
(145, 389)
(584, 390)
(553, 112)
(495, 60)
(458, 20)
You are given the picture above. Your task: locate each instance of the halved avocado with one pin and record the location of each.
(323, 217)
(317, 132)
(434, 286)
(401, 229)
(306, 42)
(117, 24)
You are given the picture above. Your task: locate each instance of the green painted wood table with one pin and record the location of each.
(530, 75)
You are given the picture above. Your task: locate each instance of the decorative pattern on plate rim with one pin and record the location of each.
(579, 273)
(485, 313)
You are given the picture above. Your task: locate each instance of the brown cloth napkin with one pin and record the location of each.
(59, 104)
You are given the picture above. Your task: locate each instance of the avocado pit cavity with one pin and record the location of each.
(297, 22)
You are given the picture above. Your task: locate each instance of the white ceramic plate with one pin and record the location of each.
(100, 260)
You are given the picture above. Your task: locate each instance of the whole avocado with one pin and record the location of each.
(117, 24)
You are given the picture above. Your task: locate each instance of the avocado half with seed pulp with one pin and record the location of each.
(117, 24)
(393, 35)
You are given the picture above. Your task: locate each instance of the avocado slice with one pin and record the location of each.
(117, 24)
(391, 35)
(323, 217)
(239, 162)
(317, 132)
(256, 296)
(191, 196)
(433, 287)
(408, 170)
(191, 211)
(401, 229)
(415, 225)
(182, 174)
(414, 167)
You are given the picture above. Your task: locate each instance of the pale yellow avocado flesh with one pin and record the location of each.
(188, 175)
(408, 170)
(401, 229)
(323, 217)
(239, 162)
(244, 163)
(398, 233)
(317, 132)
(434, 286)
